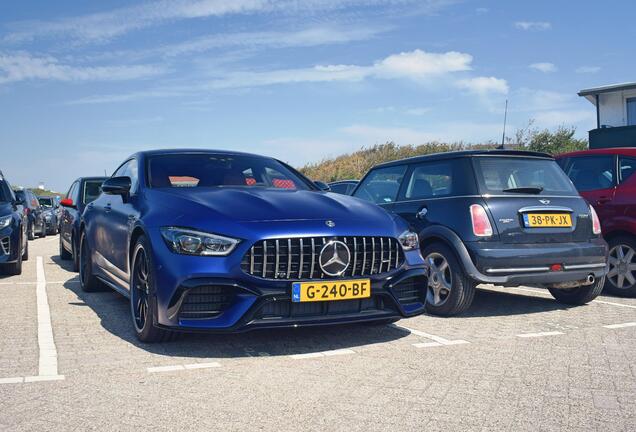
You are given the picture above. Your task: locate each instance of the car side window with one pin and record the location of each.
(626, 166)
(592, 172)
(129, 169)
(433, 179)
(381, 186)
(340, 188)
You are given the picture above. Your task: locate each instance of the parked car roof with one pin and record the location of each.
(195, 151)
(629, 151)
(465, 153)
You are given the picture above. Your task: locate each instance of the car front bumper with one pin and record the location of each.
(10, 249)
(531, 264)
(246, 302)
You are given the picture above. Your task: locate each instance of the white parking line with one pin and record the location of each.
(48, 352)
(437, 340)
(615, 326)
(540, 334)
(329, 353)
(614, 304)
(192, 366)
(47, 364)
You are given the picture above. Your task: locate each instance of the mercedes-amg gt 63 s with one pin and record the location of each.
(14, 246)
(225, 241)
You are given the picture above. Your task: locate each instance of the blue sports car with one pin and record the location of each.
(226, 242)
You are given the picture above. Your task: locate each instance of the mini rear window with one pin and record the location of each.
(515, 174)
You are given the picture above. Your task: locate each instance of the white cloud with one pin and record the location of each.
(308, 37)
(415, 65)
(533, 25)
(107, 25)
(544, 67)
(484, 85)
(23, 66)
(526, 99)
(588, 69)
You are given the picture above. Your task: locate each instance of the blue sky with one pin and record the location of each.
(84, 84)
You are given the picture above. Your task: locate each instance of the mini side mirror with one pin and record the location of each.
(117, 186)
(67, 202)
(322, 186)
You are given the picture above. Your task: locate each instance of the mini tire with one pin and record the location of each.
(143, 301)
(64, 254)
(88, 281)
(621, 279)
(450, 291)
(578, 296)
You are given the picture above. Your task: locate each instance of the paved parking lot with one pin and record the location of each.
(516, 361)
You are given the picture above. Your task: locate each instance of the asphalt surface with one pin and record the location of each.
(516, 361)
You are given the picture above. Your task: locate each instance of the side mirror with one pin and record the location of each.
(117, 186)
(67, 202)
(322, 186)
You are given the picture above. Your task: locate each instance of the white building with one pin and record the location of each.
(615, 115)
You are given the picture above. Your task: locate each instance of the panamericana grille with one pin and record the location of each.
(205, 302)
(5, 246)
(298, 258)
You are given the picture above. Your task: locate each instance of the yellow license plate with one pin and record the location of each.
(547, 220)
(330, 290)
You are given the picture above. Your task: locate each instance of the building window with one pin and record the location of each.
(631, 112)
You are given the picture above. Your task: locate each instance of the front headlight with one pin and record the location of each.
(409, 240)
(189, 242)
(5, 221)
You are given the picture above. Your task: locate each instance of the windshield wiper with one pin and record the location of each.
(526, 189)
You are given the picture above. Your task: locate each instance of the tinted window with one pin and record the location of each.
(505, 174)
(21, 195)
(92, 189)
(46, 201)
(341, 188)
(5, 191)
(591, 172)
(627, 167)
(219, 170)
(431, 179)
(382, 185)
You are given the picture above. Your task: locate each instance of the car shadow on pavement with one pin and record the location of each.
(114, 314)
(490, 303)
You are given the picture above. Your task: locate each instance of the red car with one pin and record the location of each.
(605, 178)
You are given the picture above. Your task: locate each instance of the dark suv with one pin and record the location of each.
(605, 177)
(502, 217)
(14, 247)
(50, 207)
(35, 213)
(83, 191)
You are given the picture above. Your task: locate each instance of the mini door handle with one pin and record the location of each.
(421, 214)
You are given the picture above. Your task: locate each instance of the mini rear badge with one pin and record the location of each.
(330, 223)
(544, 201)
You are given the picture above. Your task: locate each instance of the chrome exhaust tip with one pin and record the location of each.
(590, 279)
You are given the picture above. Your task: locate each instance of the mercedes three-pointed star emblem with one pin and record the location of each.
(335, 258)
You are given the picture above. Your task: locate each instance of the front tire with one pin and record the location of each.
(88, 281)
(450, 291)
(578, 296)
(15, 268)
(621, 279)
(143, 302)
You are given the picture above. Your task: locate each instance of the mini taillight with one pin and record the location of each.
(481, 223)
(596, 223)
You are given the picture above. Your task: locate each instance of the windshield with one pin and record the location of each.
(46, 201)
(512, 175)
(92, 189)
(220, 170)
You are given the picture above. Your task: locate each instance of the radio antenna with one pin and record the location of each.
(503, 136)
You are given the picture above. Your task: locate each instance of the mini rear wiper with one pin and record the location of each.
(527, 189)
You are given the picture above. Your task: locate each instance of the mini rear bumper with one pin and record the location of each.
(519, 264)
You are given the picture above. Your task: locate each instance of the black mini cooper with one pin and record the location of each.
(501, 217)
